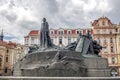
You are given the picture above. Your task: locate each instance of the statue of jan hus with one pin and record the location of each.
(45, 41)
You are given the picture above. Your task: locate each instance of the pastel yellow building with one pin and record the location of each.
(118, 45)
(10, 53)
(105, 33)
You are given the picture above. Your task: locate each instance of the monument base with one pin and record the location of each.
(97, 67)
(71, 64)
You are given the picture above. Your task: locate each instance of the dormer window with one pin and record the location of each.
(69, 32)
(51, 32)
(79, 31)
(60, 32)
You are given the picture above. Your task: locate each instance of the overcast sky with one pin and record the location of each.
(18, 17)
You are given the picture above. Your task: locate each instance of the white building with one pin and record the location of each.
(60, 37)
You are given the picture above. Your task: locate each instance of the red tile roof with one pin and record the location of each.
(74, 31)
(34, 32)
(8, 44)
(3, 43)
(65, 31)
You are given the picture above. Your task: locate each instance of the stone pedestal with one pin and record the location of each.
(97, 67)
(37, 64)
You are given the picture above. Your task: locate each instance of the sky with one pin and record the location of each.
(18, 17)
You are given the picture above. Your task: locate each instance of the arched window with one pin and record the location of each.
(114, 72)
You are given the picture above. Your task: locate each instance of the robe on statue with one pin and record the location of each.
(45, 41)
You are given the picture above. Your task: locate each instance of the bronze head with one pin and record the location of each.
(44, 19)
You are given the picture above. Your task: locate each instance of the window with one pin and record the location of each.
(26, 41)
(112, 49)
(32, 40)
(0, 62)
(105, 49)
(51, 32)
(7, 51)
(77, 32)
(113, 60)
(6, 69)
(111, 40)
(98, 40)
(104, 40)
(110, 31)
(103, 23)
(7, 59)
(60, 32)
(60, 40)
(104, 31)
(69, 32)
(69, 40)
(98, 31)
(116, 30)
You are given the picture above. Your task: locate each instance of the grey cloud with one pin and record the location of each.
(28, 25)
(11, 17)
(59, 13)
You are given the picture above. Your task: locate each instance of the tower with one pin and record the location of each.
(1, 35)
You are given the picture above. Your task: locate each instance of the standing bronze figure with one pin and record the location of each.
(45, 41)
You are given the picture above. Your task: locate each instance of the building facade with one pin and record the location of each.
(105, 34)
(60, 37)
(118, 45)
(10, 53)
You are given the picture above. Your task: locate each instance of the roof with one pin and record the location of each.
(8, 44)
(34, 32)
(101, 18)
(3, 43)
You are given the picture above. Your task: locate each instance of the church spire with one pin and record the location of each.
(1, 35)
